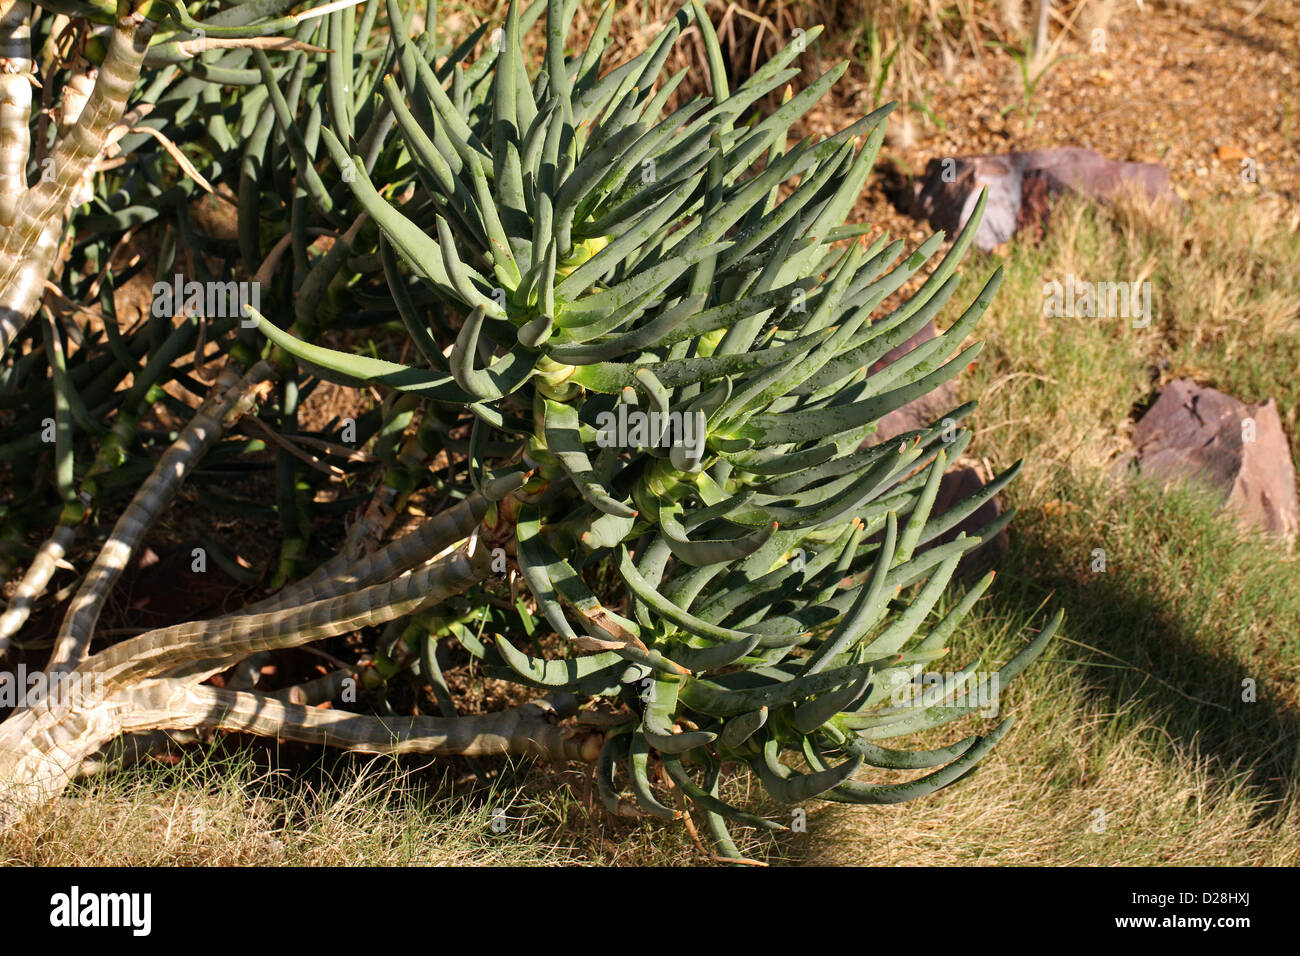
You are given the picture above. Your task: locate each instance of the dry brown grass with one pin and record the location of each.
(211, 810)
(1071, 785)
(225, 813)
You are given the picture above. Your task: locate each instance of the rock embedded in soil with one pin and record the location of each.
(921, 412)
(1237, 451)
(1021, 186)
(959, 483)
(962, 479)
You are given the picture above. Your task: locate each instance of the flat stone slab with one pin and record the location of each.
(958, 483)
(961, 479)
(1021, 186)
(1237, 452)
(918, 413)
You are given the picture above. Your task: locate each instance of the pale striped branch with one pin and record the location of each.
(76, 94)
(317, 690)
(25, 283)
(365, 533)
(34, 582)
(31, 238)
(42, 748)
(521, 730)
(230, 398)
(234, 638)
(130, 748)
(341, 574)
(15, 103)
(79, 147)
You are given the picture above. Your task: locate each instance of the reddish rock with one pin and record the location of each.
(960, 480)
(959, 483)
(919, 413)
(1238, 451)
(1021, 185)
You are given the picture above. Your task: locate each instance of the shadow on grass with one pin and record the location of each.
(1172, 662)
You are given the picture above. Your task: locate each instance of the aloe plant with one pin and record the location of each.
(607, 253)
(743, 574)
